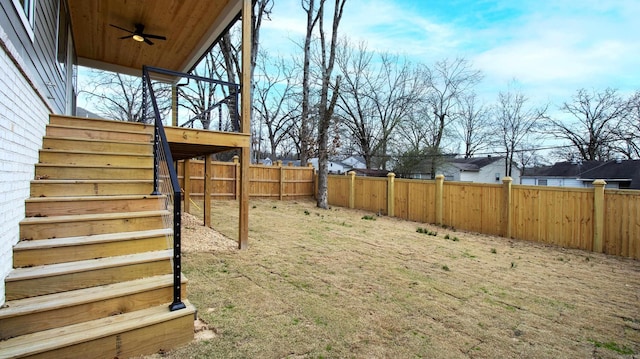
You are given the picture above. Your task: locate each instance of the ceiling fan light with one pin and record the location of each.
(138, 38)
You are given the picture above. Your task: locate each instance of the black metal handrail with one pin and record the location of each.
(165, 182)
(230, 99)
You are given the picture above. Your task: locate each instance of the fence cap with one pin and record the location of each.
(507, 179)
(599, 182)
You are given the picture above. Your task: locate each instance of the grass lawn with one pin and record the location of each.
(343, 283)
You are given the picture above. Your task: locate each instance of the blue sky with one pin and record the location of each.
(550, 47)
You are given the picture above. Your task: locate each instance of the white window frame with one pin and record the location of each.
(27, 16)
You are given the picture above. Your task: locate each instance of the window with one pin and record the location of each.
(497, 177)
(63, 37)
(542, 182)
(26, 12)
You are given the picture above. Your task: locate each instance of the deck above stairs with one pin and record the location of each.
(92, 272)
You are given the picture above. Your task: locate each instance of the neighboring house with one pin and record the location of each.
(354, 162)
(334, 166)
(41, 44)
(478, 170)
(621, 174)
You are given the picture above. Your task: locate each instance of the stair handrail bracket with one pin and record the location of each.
(165, 182)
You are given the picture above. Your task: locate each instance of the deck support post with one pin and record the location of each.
(208, 182)
(245, 126)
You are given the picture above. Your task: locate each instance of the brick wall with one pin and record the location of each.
(23, 117)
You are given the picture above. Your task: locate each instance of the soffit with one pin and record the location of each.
(190, 26)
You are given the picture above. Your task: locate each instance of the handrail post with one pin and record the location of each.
(161, 148)
(177, 260)
(156, 161)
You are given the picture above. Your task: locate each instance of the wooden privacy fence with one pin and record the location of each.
(592, 219)
(281, 182)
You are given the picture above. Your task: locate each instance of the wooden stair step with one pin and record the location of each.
(62, 277)
(56, 188)
(95, 123)
(61, 206)
(59, 250)
(62, 143)
(30, 315)
(141, 332)
(36, 228)
(54, 171)
(87, 158)
(97, 134)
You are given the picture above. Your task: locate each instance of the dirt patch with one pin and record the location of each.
(198, 238)
(343, 283)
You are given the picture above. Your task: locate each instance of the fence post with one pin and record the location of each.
(439, 190)
(352, 189)
(598, 214)
(391, 194)
(314, 180)
(186, 182)
(279, 163)
(506, 206)
(208, 177)
(236, 162)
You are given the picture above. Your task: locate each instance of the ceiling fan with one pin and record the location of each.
(139, 35)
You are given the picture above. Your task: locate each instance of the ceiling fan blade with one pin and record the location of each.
(154, 36)
(123, 29)
(148, 41)
(126, 37)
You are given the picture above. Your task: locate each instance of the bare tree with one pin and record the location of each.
(202, 99)
(592, 127)
(422, 136)
(516, 124)
(327, 105)
(447, 81)
(375, 97)
(119, 97)
(628, 132)
(274, 102)
(313, 15)
(473, 124)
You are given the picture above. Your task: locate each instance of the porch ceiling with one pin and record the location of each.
(190, 26)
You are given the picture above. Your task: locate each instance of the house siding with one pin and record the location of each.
(486, 174)
(38, 57)
(25, 105)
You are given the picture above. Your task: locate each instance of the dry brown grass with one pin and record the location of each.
(330, 284)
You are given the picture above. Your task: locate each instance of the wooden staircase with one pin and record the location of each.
(92, 271)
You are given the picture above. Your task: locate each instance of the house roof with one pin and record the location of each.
(563, 169)
(611, 171)
(473, 164)
(190, 26)
(625, 170)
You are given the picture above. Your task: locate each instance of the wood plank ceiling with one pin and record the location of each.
(190, 27)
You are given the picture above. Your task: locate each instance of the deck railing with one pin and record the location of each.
(165, 181)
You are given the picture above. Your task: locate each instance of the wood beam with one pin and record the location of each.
(245, 158)
(208, 176)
